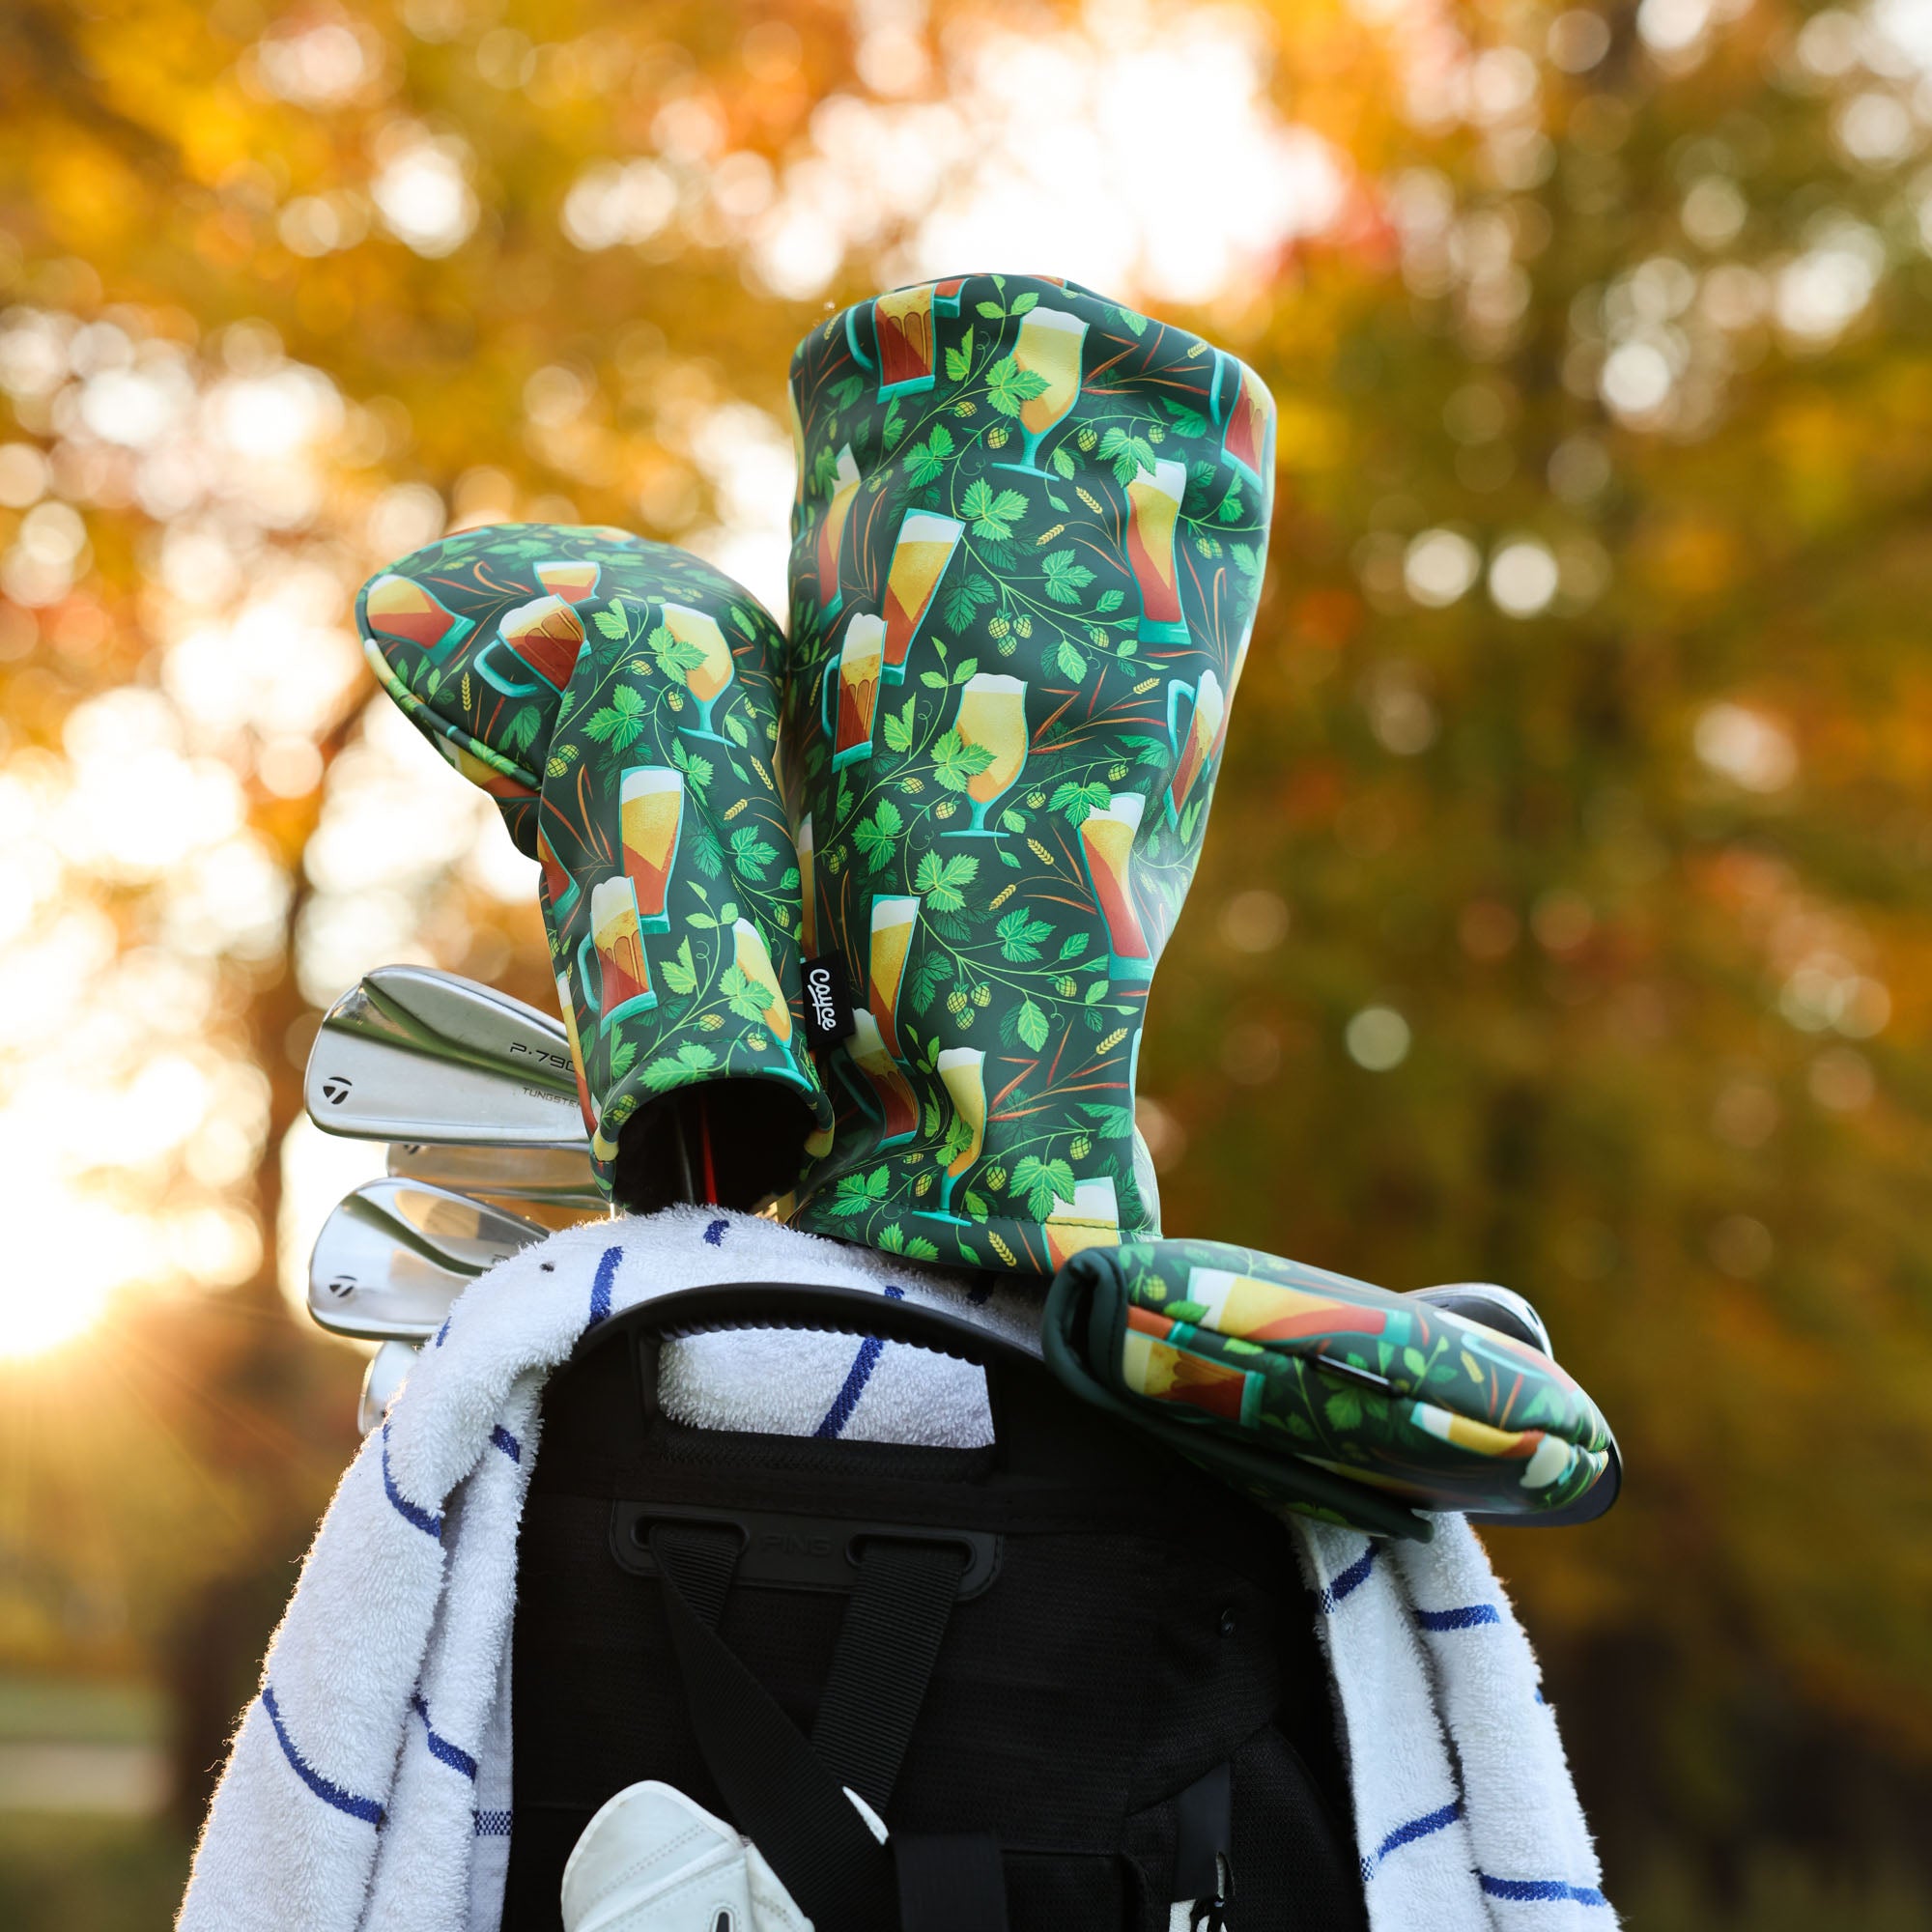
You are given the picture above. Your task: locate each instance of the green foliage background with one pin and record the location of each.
(1526, 835)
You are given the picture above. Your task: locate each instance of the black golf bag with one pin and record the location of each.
(1076, 1678)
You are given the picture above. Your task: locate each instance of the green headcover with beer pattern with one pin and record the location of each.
(619, 701)
(1027, 542)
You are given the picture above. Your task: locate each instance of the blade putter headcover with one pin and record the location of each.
(1028, 543)
(619, 700)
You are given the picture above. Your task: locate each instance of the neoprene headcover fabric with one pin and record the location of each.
(1027, 546)
(619, 701)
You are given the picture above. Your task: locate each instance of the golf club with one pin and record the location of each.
(381, 1380)
(395, 1254)
(551, 1184)
(411, 1054)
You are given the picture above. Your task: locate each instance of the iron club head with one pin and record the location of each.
(559, 1177)
(395, 1254)
(381, 1379)
(411, 1053)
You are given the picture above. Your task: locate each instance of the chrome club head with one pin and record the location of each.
(1491, 1306)
(411, 1053)
(381, 1379)
(395, 1254)
(557, 1176)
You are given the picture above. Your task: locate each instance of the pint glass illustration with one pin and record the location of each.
(708, 679)
(622, 982)
(541, 640)
(1048, 346)
(400, 607)
(1206, 714)
(924, 549)
(1107, 844)
(963, 1070)
(753, 958)
(1236, 405)
(573, 579)
(568, 1007)
(808, 896)
(992, 714)
(849, 700)
(559, 888)
(885, 1089)
(650, 809)
(1092, 1219)
(1154, 504)
(892, 922)
(832, 531)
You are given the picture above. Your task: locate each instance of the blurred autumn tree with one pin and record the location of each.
(1571, 856)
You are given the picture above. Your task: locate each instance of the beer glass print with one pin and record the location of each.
(573, 579)
(992, 713)
(832, 531)
(753, 957)
(1092, 1219)
(1207, 715)
(568, 1007)
(1153, 503)
(848, 701)
(559, 888)
(884, 1089)
(1107, 844)
(541, 638)
(622, 983)
(481, 773)
(807, 895)
(1049, 345)
(963, 1070)
(399, 607)
(894, 920)
(1238, 404)
(924, 549)
(902, 328)
(650, 809)
(708, 679)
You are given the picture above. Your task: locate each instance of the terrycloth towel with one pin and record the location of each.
(369, 1784)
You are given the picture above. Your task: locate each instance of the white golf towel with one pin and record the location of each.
(369, 1784)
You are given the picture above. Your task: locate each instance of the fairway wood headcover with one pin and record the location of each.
(1339, 1398)
(1027, 549)
(618, 698)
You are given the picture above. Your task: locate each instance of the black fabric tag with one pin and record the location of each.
(827, 1001)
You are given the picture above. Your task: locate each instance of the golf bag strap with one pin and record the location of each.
(886, 1647)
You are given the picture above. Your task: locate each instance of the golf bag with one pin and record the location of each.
(1075, 1677)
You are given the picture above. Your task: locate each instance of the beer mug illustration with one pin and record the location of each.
(621, 984)
(992, 714)
(1092, 1219)
(883, 1091)
(573, 579)
(1153, 505)
(568, 1007)
(399, 607)
(1206, 714)
(1049, 346)
(963, 1071)
(807, 895)
(753, 958)
(542, 640)
(893, 921)
(1106, 844)
(559, 888)
(650, 809)
(849, 696)
(904, 350)
(832, 531)
(926, 542)
(708, 679)
(1236, 403)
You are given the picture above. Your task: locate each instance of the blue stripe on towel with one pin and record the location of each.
(1348, 1581)
(330, 1793)
(856, 1378)
(426, 1520)
(507, 1443)
(490, 1824)
(600, 1289)
(1541, 1890)
(715, 1234)
(1425, 1826)
(440, 1748)
(1467, 1618)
